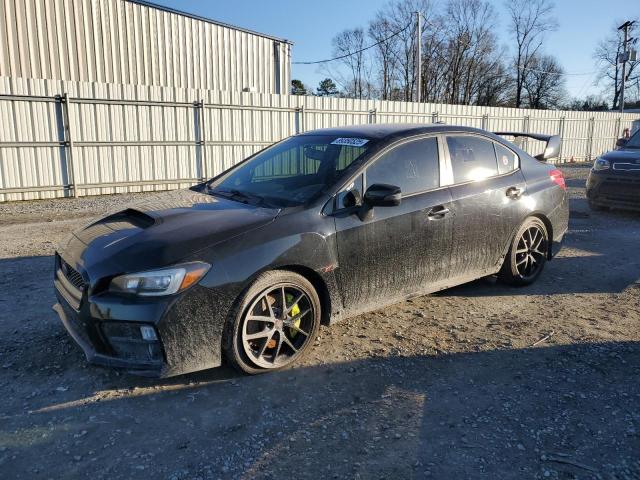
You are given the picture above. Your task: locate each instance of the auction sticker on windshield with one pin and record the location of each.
(352, 142)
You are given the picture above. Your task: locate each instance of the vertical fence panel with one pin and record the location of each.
(73, 138)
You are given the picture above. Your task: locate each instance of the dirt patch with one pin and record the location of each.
(442, 386)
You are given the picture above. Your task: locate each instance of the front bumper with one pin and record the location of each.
(78, 331)
(188, 327)
(618, 190)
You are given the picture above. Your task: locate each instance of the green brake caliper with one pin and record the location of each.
(295, 310)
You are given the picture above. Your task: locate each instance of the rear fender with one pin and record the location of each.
(548, 225)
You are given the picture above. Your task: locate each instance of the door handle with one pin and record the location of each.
(514, 192)
(437, 213)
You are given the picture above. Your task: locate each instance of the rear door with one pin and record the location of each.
(398, 250)
(488, 202)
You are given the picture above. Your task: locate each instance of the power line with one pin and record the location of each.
(590, 79)
(357, 51)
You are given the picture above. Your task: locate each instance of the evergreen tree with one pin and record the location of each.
(327, 88)
(298, 88)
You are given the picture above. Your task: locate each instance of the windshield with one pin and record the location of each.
(292, 172)
(634, 141)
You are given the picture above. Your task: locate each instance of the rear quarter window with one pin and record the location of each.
(507, 160)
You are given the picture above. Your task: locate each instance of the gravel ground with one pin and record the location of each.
(442, 386)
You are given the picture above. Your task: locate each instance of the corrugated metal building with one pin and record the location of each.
(139, 43)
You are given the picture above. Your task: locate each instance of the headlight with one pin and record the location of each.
(160, 282)
(601, 164)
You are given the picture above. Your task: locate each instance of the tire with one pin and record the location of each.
(527, 254)
(257, 337)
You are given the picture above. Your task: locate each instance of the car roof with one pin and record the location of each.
(382, 131)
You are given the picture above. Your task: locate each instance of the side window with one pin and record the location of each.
(472, 158)
(413, 166)
(507, 160)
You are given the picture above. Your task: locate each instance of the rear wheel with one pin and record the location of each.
(275, 322)
(527, 255)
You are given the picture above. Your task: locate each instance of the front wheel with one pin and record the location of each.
(275, 322)
(527, 254)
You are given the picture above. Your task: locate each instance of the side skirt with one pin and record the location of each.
(431, 288)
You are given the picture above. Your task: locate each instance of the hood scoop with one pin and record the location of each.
(127, 219)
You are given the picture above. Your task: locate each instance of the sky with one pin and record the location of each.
(312, 25)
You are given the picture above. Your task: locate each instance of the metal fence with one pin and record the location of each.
(62, 138)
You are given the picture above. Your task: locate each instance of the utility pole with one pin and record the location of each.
(624, 58)
(418, 62)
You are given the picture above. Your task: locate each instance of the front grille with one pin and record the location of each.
(69, 283)
(71, 274)
(629, 167)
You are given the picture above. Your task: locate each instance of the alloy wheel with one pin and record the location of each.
(277, 326)
(531, 252)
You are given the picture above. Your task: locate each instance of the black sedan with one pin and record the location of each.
(614, 180)
(318, 227)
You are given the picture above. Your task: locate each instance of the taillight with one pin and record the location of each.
(558, 178)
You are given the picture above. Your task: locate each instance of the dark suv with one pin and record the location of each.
(614, 180)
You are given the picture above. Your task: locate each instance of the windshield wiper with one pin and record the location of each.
(242, 197)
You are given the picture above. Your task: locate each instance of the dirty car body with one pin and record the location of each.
(614, 180)
(368, 215)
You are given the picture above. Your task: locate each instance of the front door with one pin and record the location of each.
(396, 251)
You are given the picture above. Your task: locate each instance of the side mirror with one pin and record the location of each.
(621, 142)
(352, 198)
(382, 195)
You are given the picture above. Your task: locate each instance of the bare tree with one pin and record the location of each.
(544, 83)
(606, 54)
(350, 44)
(435, 61)
(530, 21)
(589, 103)
(462, 61)
(474, 58)
(400, 15)
(495, 88)
(385, 56)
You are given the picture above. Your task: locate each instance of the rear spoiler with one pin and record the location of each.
(551, 150)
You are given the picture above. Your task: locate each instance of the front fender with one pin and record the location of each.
(281, 244)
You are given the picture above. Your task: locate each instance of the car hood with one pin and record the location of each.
(159, 232)
(626, 156)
